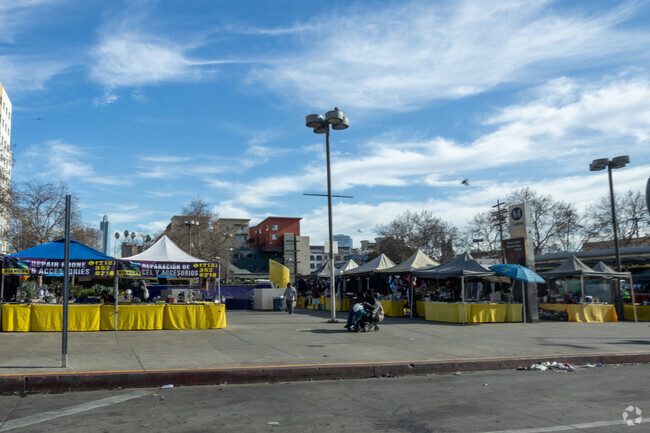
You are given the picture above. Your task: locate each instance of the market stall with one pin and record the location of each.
(518, 273)
(463, 267)
(418, 260)
(573, 268)
(611, 274)
(49, 317)
(47, 260)
(164, 258)
(375, 266)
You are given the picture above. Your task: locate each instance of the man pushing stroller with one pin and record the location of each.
(365, 313)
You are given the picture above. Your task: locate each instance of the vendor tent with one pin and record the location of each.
(463, 266)
(164, 250)
(418, 260)
(48, 260)
(165, 259)
(323, 271)
(347, 266)
(611, 273)
(375, 265)
(574, 268)
(55, 251)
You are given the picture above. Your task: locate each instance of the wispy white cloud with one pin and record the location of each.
(245, 29)
(548, 131)
(408, 54)
(22, 73)
(131, 53)
(166, 158)
(16, 15)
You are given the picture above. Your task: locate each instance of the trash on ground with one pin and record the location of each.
(166, 386)
(274, 423)
(546, 365)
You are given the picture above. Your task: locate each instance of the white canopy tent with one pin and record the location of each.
(164, 250)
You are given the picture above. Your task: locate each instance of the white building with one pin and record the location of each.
(5, 164)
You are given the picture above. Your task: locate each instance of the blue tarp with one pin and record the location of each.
(55, 250)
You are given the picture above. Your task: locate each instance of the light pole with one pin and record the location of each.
(219, 280)
(322, 126)
(189, 225)
(601, 164)
(478, 244)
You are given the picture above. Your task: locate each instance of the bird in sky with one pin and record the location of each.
(465, 181)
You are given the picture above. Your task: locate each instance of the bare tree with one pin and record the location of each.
(632, 218)
(546, 221)
(412, 231)
(37, 211)
(482, 227)
(208, 239)
(572, 231)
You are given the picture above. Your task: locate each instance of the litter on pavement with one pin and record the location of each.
(547, 365)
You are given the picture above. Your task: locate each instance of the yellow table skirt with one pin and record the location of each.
(593, 313)
(474, 313)
(206, 316)
(341, 304)
(487, 313)
(642, 312)
(132, 317)
(16, 317)
(393, 308)
(514, 313)
(445, 312)
(49, 318)
(419, 308)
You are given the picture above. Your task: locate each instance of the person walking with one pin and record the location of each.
(290, 297)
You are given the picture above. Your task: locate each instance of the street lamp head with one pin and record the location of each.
(599, 164)
(314, 120)
(321, 129)
(620, 161)
(343, 124)
(334, 117)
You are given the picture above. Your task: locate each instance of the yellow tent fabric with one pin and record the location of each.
(278, 274)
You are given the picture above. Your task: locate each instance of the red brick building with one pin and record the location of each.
(269, 234)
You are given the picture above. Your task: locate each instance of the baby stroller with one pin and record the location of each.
(369, 321)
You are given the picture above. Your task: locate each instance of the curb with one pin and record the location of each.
(79, 381)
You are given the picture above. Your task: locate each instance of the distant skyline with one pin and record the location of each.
(141, 106)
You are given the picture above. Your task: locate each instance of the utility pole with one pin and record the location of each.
(499, 219)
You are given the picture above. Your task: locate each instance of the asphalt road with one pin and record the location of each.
(586, 400)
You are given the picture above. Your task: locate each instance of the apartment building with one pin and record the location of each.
(5, 163)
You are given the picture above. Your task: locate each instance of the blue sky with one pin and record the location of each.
(140, 106)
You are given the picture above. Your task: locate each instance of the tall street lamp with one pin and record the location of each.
(189, 225)
(601, 164)
(322, 126)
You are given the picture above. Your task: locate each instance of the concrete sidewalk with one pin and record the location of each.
(276, 346)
